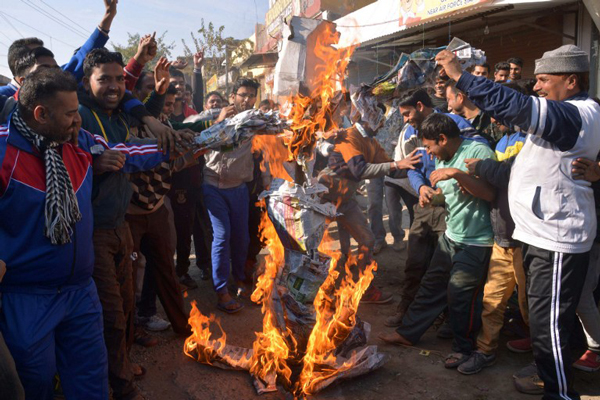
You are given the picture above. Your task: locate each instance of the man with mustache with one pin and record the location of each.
(554, 214)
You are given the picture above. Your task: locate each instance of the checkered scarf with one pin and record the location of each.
(61, 208)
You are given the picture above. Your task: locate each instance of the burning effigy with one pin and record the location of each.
(311, 333)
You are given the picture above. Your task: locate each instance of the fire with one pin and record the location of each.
(270, 349)
(301, 364)
(313, 114)
(335, 319)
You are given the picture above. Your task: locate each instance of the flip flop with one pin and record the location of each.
(223, 306)
(453, 360)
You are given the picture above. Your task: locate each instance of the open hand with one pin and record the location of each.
(162, 76)
(409, 161)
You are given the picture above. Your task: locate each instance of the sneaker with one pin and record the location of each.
(529, 370)
(445, 331)
(187, 281)
(530, 384)
(476, 363)
(519, 345)
(379, 246)
(375, 296)
(156, 324)
(589, 362)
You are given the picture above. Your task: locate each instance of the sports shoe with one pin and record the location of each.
(530, 385)
(187, 281)
(519, 345)
(476, 363)
(375, 296)
(589, 362)
(529, 370)
(156, 324)
(379, 246)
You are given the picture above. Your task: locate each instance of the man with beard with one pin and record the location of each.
(104, 85)
(51, 317)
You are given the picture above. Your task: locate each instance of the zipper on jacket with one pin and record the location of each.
(74, 258)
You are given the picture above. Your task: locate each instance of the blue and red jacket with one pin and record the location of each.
(33, 263)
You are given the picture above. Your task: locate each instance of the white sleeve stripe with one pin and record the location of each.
(542, 118)
(535, 115)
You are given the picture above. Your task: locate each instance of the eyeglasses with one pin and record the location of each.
(246, 95)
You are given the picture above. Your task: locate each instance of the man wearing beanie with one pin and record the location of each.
(554, 214)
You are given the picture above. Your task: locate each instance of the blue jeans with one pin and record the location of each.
(375, 208)
(228, 212)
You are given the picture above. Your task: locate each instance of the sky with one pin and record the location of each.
(177, 17)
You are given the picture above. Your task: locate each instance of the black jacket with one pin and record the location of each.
(498, 174)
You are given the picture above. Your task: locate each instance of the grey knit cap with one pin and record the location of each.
(564, 60)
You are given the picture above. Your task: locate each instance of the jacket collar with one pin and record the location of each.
(579, 96)
(17, 140)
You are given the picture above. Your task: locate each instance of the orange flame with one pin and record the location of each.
(270, 349)
(336, 317)
(273, 350)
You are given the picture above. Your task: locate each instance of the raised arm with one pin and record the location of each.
(197, 82)
(98, 39)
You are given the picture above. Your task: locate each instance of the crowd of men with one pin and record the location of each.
(102, 193)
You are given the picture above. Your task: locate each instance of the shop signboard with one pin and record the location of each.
(416, 12)
(211, 84)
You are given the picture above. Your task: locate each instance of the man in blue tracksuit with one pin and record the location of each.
(51, 316)
(554, 214)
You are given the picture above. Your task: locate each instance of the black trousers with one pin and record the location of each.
(428, 226)
(554, 284)
(455, 279)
